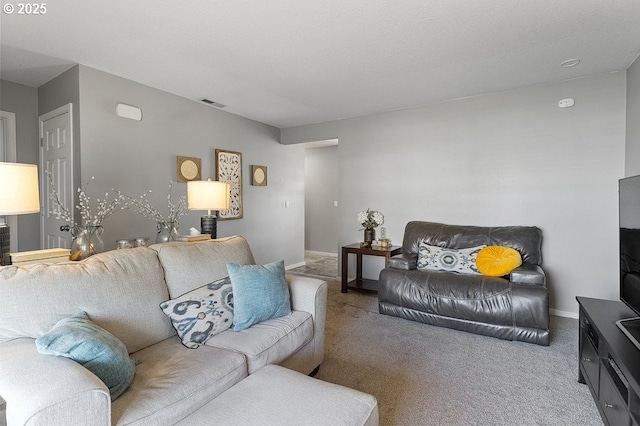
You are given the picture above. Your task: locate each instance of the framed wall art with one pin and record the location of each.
(229, 169)
(188, 168)
(259, 175)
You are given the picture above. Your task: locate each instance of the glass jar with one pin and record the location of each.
(87, 241)
(124, 244)
(141, 242)
(369, 235)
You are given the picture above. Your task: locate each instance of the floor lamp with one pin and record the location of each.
(208, 195)
(18, 195)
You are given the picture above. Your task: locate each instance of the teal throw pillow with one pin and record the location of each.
(201, 313)
(259, 293)
(99, 351)
(447, 259)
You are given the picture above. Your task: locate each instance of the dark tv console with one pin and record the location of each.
(608, 362)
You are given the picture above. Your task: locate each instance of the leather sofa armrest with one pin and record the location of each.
(528, 274)
(404, 261)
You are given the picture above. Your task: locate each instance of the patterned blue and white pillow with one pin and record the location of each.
(201, 313)
(446, 259)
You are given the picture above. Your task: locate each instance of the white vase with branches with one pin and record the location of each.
(86, 234)
(168, 225)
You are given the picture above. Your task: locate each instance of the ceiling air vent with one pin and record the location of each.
(212, 103)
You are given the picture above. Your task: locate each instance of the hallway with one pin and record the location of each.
(318, 265)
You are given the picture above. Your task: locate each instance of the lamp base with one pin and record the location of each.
(5, 245)
(209, 225)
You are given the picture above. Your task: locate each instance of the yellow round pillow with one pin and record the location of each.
(497, 261)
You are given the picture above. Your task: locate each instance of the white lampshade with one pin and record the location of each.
(208, 195)
(19, 189)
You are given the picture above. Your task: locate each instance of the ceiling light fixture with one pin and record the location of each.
(570, 63)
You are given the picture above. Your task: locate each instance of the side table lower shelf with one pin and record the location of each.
(359, 283)
(364, 284)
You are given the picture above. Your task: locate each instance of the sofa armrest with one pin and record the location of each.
(47, 390)
(528, 274)
(310, 295)
(404, 261)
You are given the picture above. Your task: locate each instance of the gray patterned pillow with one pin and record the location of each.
(446, 259)
(201, 313)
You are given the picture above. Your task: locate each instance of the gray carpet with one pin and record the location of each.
(427, 375)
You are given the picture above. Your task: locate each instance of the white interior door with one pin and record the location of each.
(8, 154)
(56, 160)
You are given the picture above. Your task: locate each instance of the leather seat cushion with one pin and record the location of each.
(449, 294)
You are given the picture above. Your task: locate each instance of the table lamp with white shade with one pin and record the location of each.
(19, 195)
(208, 195)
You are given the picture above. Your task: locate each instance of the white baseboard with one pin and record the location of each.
(295, 265)
(321, 253)
(563, 313)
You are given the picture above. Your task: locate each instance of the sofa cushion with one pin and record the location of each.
(211, 256)
(172, 381)
(279, 396)
(99, 351)
(497, 261)
(448, 259)
(269, 342)
(201, 313)
(260, 293)
(35, 297)
(464, 296)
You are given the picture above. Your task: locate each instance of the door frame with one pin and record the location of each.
(10, 156)
(68, 108)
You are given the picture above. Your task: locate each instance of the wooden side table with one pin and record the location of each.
(360, 283)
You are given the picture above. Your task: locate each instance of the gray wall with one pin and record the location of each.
(508, 158)
(321, 190)
(23, 102)
(632, 156)
(135, 157)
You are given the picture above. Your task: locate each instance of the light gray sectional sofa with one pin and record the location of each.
(121, 292)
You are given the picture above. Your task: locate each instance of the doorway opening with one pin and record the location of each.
(321, 209)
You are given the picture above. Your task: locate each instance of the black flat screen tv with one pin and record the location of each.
(629, 205)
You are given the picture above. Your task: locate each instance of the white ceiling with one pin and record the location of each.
(294, 62)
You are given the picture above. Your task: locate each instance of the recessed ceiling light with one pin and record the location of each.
(570, 63)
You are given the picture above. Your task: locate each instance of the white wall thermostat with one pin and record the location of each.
(566, 103)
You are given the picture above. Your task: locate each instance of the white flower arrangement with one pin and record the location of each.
(370, 219)
(142, 207)
(105, 208)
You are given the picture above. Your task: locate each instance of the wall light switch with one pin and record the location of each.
(286, 204)
(335, 204)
